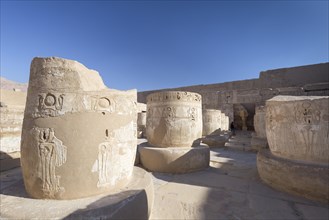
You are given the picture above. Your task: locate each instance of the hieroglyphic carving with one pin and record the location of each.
(307, 116)
(52, 154)
(174, 96)
(169, 114)
(272, 118)
(49, 104)
(105, 159)
(103, 104)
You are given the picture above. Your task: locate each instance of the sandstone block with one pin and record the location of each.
(174, 159)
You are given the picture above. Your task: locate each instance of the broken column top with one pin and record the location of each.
(63, 74)
(79, 137)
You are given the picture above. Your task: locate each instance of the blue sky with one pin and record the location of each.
(164, 44)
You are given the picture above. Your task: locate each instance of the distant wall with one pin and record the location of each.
(11, 114)
(301, 80)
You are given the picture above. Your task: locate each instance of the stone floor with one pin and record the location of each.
(229, 189)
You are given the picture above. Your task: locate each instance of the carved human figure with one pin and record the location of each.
(52, 153)
(105, 160)
(307, 117)
(243, 114)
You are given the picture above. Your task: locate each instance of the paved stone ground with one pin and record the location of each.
(229, 189)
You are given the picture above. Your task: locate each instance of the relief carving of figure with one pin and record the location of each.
(52, 154)
(307, 116)
(243, 114)
(105, 160)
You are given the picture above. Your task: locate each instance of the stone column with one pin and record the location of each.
(297, 130)
(141, 124)
(211, 121)
(79, 137)
(258, 140)
(174, 119)
(173, 130)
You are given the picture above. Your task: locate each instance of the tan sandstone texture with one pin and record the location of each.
(79, 137)
(259, 139)
(224, 122)
(211, 119)
(174, 119)
(297, 130)
(297, 127)
(134, 202)
(141, 124)
(173, 130)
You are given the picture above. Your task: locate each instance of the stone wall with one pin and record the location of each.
(299, 81)
(12, 113)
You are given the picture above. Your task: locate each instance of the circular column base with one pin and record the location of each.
(215, 140)
(135, 201)
(303, 179)
(258, 143)
(174, 159)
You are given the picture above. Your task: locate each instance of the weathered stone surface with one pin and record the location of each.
(141, 107)
(211, 119)
(229, 189)
(216, 140)
(79, 138)
(141, 124)
(301, 81)
(174, 119)
(11, 115)
(134, 202)
(304, 179)
(297, 127)
(259, 121)
(259, 139)
(225, 122)
(174, 159)
(258, 143)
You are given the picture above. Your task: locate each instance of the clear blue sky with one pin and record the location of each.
(164, 44)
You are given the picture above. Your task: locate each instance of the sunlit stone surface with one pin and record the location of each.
(79, 137)
(297, 131)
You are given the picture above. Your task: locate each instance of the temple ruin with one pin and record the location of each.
(88, 151)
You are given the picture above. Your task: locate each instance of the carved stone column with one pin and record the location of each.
(174, 119)
(211, 121)
(79, 137)
(259, 140)
(297, 129)
(174, 130)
